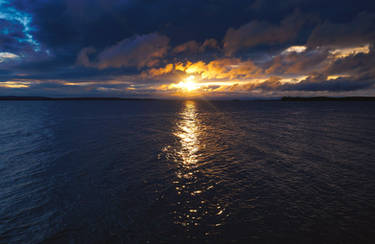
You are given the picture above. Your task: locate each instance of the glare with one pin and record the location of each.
(188, 84)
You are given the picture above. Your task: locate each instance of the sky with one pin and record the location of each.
(187, 48)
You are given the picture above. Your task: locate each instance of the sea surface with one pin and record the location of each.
(187, 172)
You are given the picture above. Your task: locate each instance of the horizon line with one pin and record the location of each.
(284, 98)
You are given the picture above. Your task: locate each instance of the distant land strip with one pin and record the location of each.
(36, 98)
(291, 99)
(307, 99)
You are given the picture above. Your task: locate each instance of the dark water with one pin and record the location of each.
(163, 171)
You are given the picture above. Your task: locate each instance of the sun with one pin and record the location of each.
(188, 84)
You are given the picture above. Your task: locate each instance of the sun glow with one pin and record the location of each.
(188, 84)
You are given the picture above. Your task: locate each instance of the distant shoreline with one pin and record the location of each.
(37, 98)
(308, 99)
(284, 99)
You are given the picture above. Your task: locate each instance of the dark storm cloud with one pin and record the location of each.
(360, 65)
(336, 85)
(11, 34)
(193, 47)
(263, 33)
(102, 23)
(360, 30)
(137, 51)
(15, 31)
(104, 40)
(297, 63)
(314, 83)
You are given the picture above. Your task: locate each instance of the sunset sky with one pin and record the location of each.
(187, 48)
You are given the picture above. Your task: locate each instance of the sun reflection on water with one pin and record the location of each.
(188, 132)
(188, 129)
(196, 207)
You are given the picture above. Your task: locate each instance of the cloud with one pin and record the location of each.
(83, 57)
(313, 83)
(209, 43)
(297, 69)
(225, 68)
(294, 49)
(138, 51)
(15, 84)
(260, 46)
(13, 38)
(10, 14)
(335, 85)
(297, 63)
(5, 56)
(260, 32)
(195, 47)
(190, 46)
(310, 84)
(348, 51)
(359, 65)
(358, 31)
(160, 71)
(270, 84)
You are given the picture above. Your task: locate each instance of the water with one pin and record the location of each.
(183, 172)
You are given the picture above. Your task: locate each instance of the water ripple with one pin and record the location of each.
(188, 171)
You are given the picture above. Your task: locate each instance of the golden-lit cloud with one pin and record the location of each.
(78, 83)
(295, 49)
(295, 68)
(227, 48)
(15, 84)
(161, 71)
(345, 52)
(335, 77)
(233, 64)
(225, 68)
(217, 70)
(190, 86)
